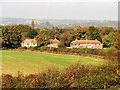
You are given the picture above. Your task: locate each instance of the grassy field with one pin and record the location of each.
(35, 62)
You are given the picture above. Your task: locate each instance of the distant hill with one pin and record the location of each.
(49, 23)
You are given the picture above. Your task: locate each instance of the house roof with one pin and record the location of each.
(30, 40)
(55, 41)
(86, 42)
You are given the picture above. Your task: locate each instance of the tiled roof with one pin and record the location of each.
(86, 42)
(55, 41)
(30, 40)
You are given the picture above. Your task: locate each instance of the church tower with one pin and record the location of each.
(33, 23)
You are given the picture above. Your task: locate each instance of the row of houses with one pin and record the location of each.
(74, 44)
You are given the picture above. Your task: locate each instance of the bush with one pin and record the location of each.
(7, 81)
(75, 76)
(44, 48)
(112, 54)
(22, 48)
(100, 78)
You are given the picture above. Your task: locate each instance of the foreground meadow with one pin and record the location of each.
(57, 71)
(29, 62)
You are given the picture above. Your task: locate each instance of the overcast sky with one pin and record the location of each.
(61, 10)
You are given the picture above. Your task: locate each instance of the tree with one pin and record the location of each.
(32, 33)
(94, 33)
(44, 31)
(42, 40)
(64, 38)
(108, 30)
(109, 40)
(23, 28)
(11, 37)
(71, 38)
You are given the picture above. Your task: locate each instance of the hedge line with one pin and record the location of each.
(109, 54)
(76, 76)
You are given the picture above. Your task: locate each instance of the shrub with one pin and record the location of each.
(44, 48)
(75, 76)
(112, 54)
(100, 78)
(7, 81)
(31, 81)
(22, 48)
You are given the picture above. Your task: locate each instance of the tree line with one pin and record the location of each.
(12, 36)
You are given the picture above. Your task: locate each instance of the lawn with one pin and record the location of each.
(36, 62)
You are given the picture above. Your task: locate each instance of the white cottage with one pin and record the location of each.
(29, 43)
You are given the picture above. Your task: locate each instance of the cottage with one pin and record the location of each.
(86, 44)
(29, 43)
(54, 43)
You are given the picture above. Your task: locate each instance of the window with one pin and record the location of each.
(34, 43)
(97, 44)
(91, 46)
(84, 44)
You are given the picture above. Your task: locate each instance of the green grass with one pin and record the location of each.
(36, 62)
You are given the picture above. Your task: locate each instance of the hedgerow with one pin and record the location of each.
(75, 76)
(109, 54)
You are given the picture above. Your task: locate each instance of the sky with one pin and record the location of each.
(51, 9)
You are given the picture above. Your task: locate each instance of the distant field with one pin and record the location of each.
(35, 62)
